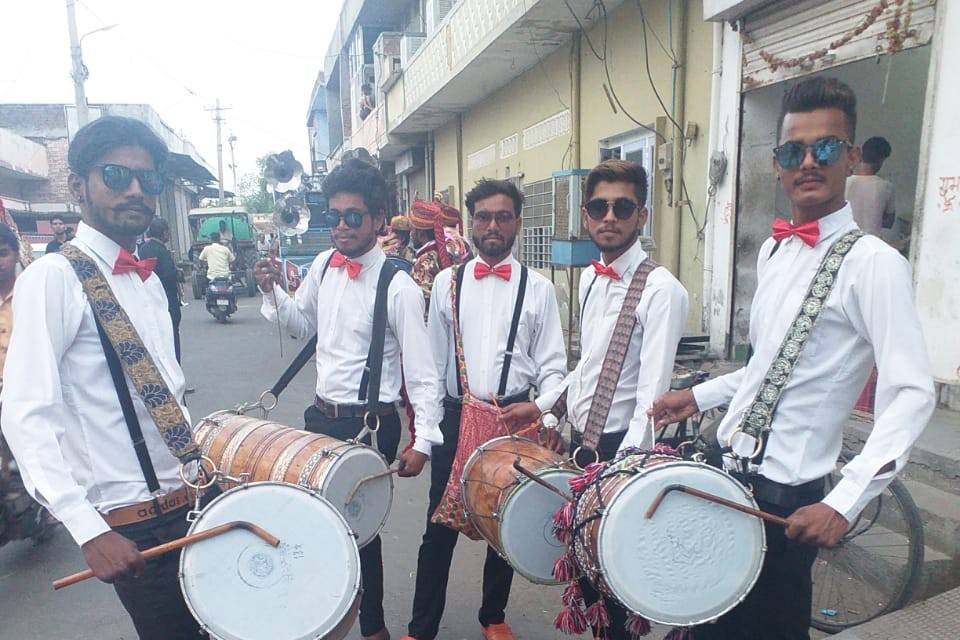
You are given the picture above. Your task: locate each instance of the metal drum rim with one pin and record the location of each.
(328, 476)
(357, 588)
(686, 463)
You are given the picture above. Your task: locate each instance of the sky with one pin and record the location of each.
(260, 58)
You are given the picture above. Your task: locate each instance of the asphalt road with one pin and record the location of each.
(229, 364)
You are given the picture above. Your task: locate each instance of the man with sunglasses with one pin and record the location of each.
(614, 214)
(512, 344)
(63, 408)
(336, 301)
(813, 372)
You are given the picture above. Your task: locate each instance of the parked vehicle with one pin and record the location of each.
(221, 298)
(234, 225)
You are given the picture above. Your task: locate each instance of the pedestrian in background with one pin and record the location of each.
(155, 246)
(870, 196)
(59, 234)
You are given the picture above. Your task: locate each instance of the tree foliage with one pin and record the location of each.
(253, 192)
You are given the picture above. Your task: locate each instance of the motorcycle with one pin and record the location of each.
(221, 298)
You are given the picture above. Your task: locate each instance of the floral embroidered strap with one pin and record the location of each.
(757, 420)
(457, 337)
(136, 360)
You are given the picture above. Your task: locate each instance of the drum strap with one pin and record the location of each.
(511, 337)
(135, 359)
(613, 360)
(757, 420)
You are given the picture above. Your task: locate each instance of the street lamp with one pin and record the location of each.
(79, 73)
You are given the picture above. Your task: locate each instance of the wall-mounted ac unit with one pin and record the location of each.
(386, 58)
(571, 244)
(409, 44)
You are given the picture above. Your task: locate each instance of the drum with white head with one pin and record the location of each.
(240, 588)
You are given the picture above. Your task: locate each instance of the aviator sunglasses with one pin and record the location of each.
(353, 218)
(623, 208)
(118, 177)
(826, 151)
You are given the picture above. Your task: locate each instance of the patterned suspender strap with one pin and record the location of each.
(136, 360)
(757, 420)
(616, 354)
(457, 337)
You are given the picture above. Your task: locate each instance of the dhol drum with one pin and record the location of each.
(266, 450)
(238, 587)
(512, 512)
(688, 564)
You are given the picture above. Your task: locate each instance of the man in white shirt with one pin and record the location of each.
(870, 196)
(863, 318)
(336, 302)
(614, 213)
(61, 413)
(218, 258)
(489, 297)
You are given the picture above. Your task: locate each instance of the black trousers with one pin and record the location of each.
(371, 556)
(606, 449)
(154, 600)
(175, 317)
(436, 552)
(778, 607)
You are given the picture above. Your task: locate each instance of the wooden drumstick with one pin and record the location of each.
(763, 515)
(540, 481)
(362, 481)
(179, 543)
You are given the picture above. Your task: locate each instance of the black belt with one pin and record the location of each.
(334, 410)
(451, 402)
(783, 495)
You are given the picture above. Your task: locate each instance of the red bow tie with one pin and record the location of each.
(601, 270)
(482, 270)
(338, 261)
(126, 263)
(809, 232)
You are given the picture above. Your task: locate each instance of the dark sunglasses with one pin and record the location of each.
(826, 151)
(119, 177)
(486, 217)
(623, 208)
(352, 217)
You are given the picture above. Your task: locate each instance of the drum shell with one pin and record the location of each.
(258, 450)
(489, 480)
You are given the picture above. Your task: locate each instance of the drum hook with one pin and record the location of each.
(368, 429)
(576, 452)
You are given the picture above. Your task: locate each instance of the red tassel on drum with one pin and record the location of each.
(680, 633)
(637, 626)
(563, 523)
(664, 449)
(571, 621)
(572, 595)
(565, 568)
(585, 479)
(597, 615)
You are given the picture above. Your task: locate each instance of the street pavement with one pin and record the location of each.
(229, 364)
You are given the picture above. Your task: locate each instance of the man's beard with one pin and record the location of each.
(616, 244)
(493, 247)
(118, 227)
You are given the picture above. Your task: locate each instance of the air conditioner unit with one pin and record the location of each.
(386, 58)
(409, 44)
(571, 244)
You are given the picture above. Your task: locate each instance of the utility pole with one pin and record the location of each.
(218, 118)
(232, 140)
(79, 73)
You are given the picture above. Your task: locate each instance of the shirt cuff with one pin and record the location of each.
(83, 522)
(423, 445)
(846, 499)
(710, 394)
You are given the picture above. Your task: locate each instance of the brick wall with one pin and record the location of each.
(53, 189)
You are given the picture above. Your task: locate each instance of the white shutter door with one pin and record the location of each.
(791, 31)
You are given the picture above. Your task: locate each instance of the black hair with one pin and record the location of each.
(158, 227)
(618, 171)
(821, 93)
(60, 218)
(215, 237)
(9, 238)
(101, 136)
(360, 177)
(876, 150)
(486, 187)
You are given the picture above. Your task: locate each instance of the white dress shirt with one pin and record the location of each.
(648, 365)
(61, 415)
(340, 311)
(868, 316)
(486, 312)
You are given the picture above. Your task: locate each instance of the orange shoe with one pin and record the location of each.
(500, 631)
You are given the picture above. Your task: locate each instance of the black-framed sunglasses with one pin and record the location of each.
(623, 208)
(119, 177)
(486, 217)
(353, 218)
(826, 151)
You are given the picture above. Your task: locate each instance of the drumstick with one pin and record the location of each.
(763, 515)
(540, 481)
(179, 543)
(362, 481)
